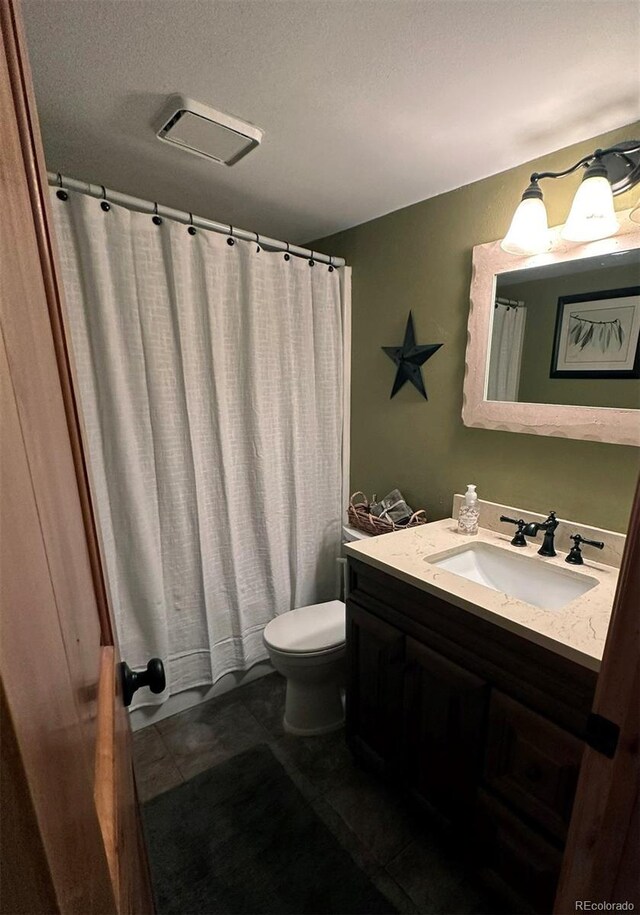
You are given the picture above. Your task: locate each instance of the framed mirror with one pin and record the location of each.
(554, 339)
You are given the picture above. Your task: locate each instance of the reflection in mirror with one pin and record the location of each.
(567, 333)
(568, 362)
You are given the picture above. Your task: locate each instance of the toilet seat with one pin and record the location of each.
(315, 629)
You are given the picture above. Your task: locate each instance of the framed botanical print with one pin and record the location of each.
(596, 335)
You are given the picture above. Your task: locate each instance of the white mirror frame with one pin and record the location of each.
(600, 424)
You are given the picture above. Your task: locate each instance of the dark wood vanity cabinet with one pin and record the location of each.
(478, 722)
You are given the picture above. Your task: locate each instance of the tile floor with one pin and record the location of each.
(408, 862)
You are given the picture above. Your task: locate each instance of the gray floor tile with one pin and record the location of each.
(364, 858)
(402, 903)
(437, 881)
(345, 836)
(323, 759)
(154, 767)
(379, 820)
(300, 780)
(209, 734)
(264, 698)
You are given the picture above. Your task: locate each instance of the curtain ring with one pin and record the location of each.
(258, 248)
(104, 203)
(287, 256)
(156, 219)
(61, 194)
(331, 263)
(231, 240)
(192, 229)
(311, 261)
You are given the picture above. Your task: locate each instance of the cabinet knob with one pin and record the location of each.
(153, 677)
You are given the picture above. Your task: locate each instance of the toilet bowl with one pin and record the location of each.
(307, 646)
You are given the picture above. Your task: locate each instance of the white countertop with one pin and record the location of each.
(577, 631)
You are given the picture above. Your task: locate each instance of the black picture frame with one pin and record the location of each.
(605, 294)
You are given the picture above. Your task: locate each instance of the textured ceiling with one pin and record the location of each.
(366, 105)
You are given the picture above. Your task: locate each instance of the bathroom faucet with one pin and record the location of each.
(549, 527)
(531, 530)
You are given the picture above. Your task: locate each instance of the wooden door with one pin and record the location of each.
(375, 655)
(601, 857)
(444, 720)
(71, 838)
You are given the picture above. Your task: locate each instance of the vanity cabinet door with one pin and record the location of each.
(532, 764)
(444, 724)
(375, 657)
(518, 856)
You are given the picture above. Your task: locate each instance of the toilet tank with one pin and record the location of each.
(350, 534)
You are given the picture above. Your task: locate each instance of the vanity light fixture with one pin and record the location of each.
(607, 172)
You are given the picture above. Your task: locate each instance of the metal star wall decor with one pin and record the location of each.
(409, 358)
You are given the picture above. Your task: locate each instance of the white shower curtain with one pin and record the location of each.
(507, 339)
(211, 387)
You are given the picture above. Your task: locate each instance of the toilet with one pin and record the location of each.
(307, 646)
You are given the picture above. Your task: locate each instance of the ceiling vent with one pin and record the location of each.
(206, 132)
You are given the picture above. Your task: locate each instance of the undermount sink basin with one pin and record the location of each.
(525, 578)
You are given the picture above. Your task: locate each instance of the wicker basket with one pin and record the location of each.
(361, 518)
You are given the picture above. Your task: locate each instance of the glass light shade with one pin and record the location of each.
(529, 230)
(592, 215)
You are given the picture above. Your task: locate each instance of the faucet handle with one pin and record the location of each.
(599, 544)
(575, 554)
(518, 540)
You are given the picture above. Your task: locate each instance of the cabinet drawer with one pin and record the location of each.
(519, 857)
(532, 763)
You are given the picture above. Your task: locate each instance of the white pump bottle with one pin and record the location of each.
(469, 512)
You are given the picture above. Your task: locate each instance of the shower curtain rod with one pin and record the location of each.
(146, 206)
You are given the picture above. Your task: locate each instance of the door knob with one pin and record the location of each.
(153, 677)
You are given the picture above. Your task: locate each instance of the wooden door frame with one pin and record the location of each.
(601, 856)
(72, 840)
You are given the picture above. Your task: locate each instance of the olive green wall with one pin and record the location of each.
(419, 258)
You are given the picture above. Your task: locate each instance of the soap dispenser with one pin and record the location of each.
(469, 512)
